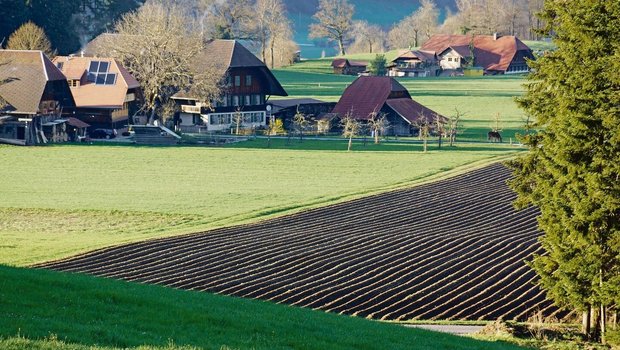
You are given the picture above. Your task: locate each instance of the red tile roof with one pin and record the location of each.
(367, 95)
(489, 53)
(413, 111)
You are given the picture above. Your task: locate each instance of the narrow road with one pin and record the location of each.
(452, 329)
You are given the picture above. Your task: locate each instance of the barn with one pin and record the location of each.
(371, 95)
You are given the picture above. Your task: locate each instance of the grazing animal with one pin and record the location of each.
(494, 136)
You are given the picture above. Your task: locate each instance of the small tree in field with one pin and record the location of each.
(350, 129)
(237, 120)
(453, 126)
(378, 123)
(301, 122)
(30, 37)
(424, 131)
(440, 128)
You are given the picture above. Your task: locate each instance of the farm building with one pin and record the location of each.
(493, 53)
(347, 67)
(249, 86)
(371, 95)
(415, 63)
(285, 110)
(33, 97)
(105, 93)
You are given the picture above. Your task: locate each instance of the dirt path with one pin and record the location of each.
(452, 329)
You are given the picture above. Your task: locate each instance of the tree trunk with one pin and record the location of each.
(341, 45)
(376, 137)
(603, 309)
(350, 142)
(585, 322)
(272, 49)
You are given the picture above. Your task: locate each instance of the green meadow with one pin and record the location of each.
(50, 310)
(62, 200)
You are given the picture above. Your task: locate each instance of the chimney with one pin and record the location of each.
(496, 36)
(82, 52)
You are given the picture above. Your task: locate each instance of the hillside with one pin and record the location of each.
(93, 313)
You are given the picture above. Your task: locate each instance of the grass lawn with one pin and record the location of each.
(50, 310)
(61, 200)
(480, 99)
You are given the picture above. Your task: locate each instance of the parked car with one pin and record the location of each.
(103, 134)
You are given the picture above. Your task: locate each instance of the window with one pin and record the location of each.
(235, 100)
(237, 80)
(74, 83)
(98, 73)
(257, 99)
(220, 119)
(247, 100)
(248, 80)
(59, 65)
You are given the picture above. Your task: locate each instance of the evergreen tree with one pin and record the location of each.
(572, 171)
(378, 66)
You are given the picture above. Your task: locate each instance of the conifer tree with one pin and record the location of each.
(572, 171)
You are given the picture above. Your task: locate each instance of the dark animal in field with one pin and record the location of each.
(494, 136)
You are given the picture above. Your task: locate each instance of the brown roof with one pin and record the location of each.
(294, 102)
(367, 94)
(26, 74)
(413, 111)
(89, 94)
(343, 62)
(489, 53)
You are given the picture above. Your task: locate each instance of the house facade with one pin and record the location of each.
(414, 63)
(34, 96)
(105, 93)
(493, 54)
(249, 85)
(343, 66)
(371, 95)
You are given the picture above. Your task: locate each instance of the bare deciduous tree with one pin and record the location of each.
(454, 126)
(378, 123)
(350, 129)
(30, 37)
(159, 45)
(301, 122)
(367, 38)
(231, 20)
(334, 21)
(415, 28)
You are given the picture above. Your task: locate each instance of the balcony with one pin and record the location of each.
(190, 109)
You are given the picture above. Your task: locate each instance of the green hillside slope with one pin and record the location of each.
(85, 311)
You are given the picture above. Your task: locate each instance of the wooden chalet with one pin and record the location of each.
(370, 95)
(414, 63)
(34, 95)
(494, 54)
(249, 85)
(105, 93)
(344, 66)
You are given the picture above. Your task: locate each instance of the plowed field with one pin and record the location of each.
(453, 249)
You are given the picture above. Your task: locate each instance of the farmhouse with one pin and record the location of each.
(105, 93)
(33, 97)
(414, 63)
(493, 53)
(371, 95)
(249, 85)
(347, 67)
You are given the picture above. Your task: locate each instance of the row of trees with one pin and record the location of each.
(334, 21)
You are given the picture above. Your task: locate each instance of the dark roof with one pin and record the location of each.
(343, 62)
(367, 94)
(96, 47)
(489, 53)
(77, 123)
(413, 111)
(26, 73)
(291, 102)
